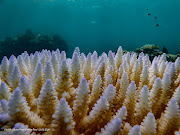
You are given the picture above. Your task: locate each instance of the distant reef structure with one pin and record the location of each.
(31, 42)
(153, 50)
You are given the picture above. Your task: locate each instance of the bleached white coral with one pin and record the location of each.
(49, 72)
(170, 120)
(22, 66)
(47, 101)
(149, 126)
(94, 58)
(4, 105)
(135, 76)
(144, 77)
(80, 106)
(76, 71)
(177, 132)
(97, 115)
(87, 67)
(4, 68)
(4, 117)
(135, 130)
(101, 105)
(177, 65)
(143, 105)
(130, 100)
(55, 63)
(118, 57)
(155, 93)
(126, 128)
(26, 90)
(111, 128)
(110, 93)
(21, 129)
(108, 80)
(62, 118)
(37, 80)
(126, 67)
(111, 60)
(4, 91)
(15, 77)
(166, 91)
(124, 83)
(154, 70)
(63, 82)
(32, 84)
(162, 68)
(176, 94)
(20, 112)
(34, 61)
(96, 92)
(121, 113)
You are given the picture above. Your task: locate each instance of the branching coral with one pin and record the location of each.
(149, 126)
(110, 94)
(62, 119)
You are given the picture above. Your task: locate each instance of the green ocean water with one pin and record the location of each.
(100, 25)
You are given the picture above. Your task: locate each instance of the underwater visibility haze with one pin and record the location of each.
(99, 25)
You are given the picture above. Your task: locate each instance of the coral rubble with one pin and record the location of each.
(122, 94)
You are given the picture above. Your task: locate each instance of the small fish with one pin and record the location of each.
(97, 6)
(148, 14)
(157, 25)
(93, 21)
(147, 9)
(38, 35)
(154, 17)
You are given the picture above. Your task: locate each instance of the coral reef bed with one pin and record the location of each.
(31, 42)
(111, 94)
(153, 50)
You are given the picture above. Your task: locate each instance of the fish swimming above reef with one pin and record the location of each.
(157, 25)
(154, 17)
(93, 21)
(148, 14)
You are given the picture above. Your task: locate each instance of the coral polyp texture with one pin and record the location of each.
(111, 94)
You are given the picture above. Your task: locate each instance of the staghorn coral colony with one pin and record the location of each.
(111, 94)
